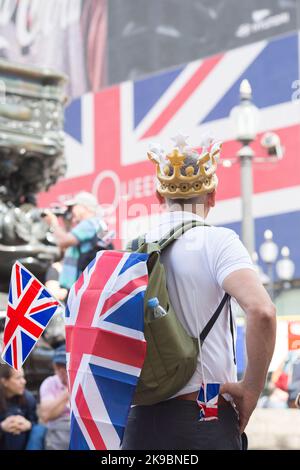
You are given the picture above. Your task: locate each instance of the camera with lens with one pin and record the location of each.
(58, 211)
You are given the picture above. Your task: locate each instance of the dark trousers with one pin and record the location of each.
(175, 425)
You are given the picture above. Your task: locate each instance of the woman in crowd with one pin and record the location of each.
(17, 409)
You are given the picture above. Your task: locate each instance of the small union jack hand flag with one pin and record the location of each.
(29, 310)
(208, 401)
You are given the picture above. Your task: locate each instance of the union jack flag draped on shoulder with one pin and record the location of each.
(29, 310)
(105, 347)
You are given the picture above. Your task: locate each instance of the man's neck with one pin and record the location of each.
(199, 210)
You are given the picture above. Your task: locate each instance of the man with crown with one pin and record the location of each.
(208, 270)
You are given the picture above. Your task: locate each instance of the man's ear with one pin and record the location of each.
(211, 198)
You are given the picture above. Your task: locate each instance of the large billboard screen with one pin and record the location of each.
(108, 134)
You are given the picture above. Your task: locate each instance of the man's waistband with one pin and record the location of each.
(193, 397)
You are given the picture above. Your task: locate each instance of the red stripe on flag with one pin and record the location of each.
(104, 268)
(124, 292)
(43, 306)
(15, 354)
(102, 343)
(79, 283)
(17, 318)
(17, 314)
(121, 348)
(211, 412)
(202, 72)
(88, 421)
(18, 279)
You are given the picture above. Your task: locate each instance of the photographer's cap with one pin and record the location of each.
(85, 199)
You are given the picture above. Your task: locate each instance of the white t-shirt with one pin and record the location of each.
(196, 266)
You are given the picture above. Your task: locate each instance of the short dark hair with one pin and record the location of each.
(5, 373)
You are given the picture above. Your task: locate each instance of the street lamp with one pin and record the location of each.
(245, 118)
(268, 252)
(285, 267)
(262, 276)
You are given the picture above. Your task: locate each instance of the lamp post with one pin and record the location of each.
(268, 252)
(245, 117)
(285, 267)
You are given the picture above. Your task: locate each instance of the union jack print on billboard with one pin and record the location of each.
(194, 99)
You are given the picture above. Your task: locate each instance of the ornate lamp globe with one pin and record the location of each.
(285, 267)
(245, 116)
(268, 250)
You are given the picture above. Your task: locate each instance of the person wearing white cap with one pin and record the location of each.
(88, 225)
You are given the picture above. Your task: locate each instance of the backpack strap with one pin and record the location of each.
(174, 234)
(232, 330)
(213, 319)
(177, 231)
(135, 244)
(168, 238)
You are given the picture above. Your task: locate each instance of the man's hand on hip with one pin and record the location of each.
(244, 399)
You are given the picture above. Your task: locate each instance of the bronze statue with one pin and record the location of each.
(31, 160)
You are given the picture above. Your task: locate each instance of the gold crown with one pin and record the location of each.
(179, 179)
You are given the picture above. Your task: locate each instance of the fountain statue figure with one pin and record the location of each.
(31, 160)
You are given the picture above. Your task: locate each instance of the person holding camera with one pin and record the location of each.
(88, 226)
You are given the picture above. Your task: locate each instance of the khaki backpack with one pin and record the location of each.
(172, 354)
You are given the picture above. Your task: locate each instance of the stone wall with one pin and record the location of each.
(274, 429)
